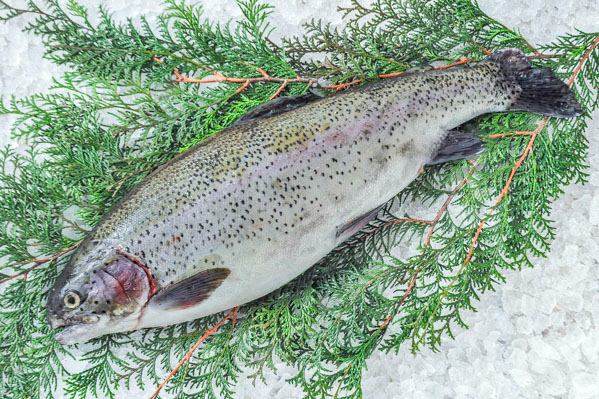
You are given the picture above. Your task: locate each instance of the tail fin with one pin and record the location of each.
(542, 92)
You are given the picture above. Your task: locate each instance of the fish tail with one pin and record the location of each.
(541, 91)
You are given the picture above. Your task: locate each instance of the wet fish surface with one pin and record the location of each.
(246, 211)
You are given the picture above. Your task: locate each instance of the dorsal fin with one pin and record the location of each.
(277, 106)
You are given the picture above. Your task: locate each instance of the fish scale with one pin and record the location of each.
(254, 206)
(260, 182)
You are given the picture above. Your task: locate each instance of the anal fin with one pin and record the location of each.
(192, 290)
(458, 144)
(349, 229)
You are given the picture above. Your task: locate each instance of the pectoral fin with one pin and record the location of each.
(192, 290)
(458, 144)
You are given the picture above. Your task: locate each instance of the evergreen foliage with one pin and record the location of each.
(120, 112)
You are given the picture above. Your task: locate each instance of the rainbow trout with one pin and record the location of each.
(246, 211)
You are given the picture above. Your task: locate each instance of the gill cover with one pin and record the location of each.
(96, 295)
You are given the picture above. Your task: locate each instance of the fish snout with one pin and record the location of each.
(56, 321)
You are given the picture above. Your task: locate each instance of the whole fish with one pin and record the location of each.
(251, 208)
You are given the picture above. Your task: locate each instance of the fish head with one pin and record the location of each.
(101, 291)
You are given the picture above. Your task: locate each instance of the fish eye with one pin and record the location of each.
(72, 299)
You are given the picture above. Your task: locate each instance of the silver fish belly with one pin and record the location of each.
(261, 202)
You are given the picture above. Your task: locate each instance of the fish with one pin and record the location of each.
(244, 212)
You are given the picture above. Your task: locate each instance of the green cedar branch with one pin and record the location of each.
(232, 315)
(118, 115)
(40, 261)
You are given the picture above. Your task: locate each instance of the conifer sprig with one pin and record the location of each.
(131, 102)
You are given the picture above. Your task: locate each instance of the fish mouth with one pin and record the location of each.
(55, 323)
(75, 334)
(92, 327)
(74, 331)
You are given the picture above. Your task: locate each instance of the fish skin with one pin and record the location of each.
(265, 198)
